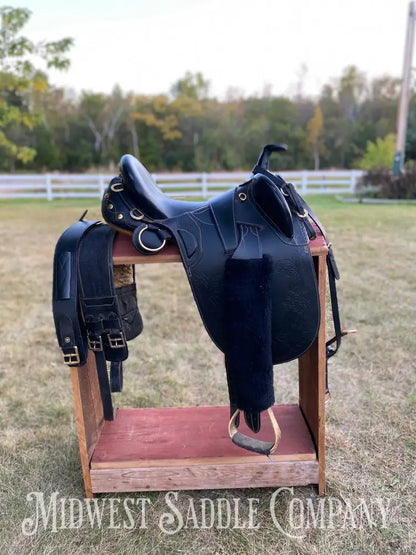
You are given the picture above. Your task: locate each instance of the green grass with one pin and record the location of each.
(371, 448)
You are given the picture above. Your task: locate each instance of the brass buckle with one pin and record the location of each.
(72, 359)
(116, 342)
(95, 344)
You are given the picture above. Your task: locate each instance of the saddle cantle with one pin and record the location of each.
(246, 254)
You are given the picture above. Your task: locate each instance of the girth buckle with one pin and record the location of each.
(95, 344)
(71, 359)
(116, 341)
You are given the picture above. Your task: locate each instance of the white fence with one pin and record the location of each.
(205, 185)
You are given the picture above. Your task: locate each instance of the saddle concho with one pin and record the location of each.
(246, 254)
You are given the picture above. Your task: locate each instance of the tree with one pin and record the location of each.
(314, 134)
(379, 153)
(351, 93)
(192, 85)
(20, 80)
(104, 116)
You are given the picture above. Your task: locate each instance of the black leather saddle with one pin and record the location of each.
(247, 257)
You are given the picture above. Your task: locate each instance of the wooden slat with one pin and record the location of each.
(125, 253)
(193, 435)
(197, 477)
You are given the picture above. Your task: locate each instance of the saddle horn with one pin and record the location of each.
(263, 159)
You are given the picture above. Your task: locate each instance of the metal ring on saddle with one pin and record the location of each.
(136, 214)
(304, 215)
(253, 444)
(143, 246)
(117, 187)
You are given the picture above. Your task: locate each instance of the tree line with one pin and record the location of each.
(45, 128)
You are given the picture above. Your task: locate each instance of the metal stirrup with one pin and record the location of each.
(252, 444)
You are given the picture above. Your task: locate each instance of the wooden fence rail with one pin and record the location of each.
(205, 185)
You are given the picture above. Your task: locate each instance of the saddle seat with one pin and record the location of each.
(153, 202)
(142, 199)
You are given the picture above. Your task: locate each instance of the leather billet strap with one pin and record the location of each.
(97, 294)
(251, 443)
(104, 384)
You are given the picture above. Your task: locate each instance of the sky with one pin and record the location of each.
(240, 46)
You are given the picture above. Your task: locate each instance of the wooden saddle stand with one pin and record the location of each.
(149, 449)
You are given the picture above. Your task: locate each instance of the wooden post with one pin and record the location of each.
(405, 92)
(88, 414)
(48, 187)
(312, 380)
(204, 186)
(304, 182)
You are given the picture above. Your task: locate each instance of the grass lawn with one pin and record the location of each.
(371, 424)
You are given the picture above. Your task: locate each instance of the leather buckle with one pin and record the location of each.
(95, 344)
(116, 341)
(71, 359)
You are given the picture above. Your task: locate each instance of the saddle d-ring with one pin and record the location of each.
(304, 215)
(250, 443)
(144, 247)
(136, 214)
(117, 187)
